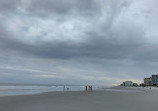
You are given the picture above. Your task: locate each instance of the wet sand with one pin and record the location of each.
(115, 99)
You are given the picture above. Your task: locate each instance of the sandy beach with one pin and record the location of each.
(114, 99)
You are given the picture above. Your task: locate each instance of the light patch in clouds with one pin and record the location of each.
(28, 70)
(48, 76)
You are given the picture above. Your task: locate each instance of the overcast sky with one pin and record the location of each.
(100, 42)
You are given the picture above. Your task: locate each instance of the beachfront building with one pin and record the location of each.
(127, 83)
(135, 84)
(142, 84)
(148, 81)
(154, 80)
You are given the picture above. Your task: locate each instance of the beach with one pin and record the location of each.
(112, 99)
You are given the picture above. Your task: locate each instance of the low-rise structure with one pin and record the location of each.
(127, 83)
(135, 84)
(142, 84)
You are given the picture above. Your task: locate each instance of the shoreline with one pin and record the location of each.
(115, 88)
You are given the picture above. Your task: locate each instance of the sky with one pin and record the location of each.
(78, 42)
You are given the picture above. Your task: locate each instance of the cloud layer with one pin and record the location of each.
(88, 41)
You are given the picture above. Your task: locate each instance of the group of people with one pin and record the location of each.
(88, 88)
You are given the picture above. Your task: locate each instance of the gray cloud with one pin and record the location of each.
(95, 47)
(8, 6)
(111, 44)
(101, 40)
(76, 7)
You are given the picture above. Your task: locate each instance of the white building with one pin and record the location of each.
(127, 83)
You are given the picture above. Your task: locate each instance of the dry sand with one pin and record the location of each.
(117, 99)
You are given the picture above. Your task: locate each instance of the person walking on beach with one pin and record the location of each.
(86, 88)
(90, 88)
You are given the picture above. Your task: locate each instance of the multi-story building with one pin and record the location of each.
(154, 80)
(148, 81)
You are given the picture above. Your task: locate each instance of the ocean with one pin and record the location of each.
(10, 90)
